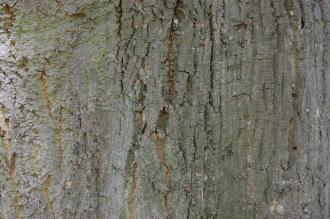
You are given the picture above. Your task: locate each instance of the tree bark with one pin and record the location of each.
(164, 109)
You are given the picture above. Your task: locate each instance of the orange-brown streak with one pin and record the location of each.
(44, 91)
(46, 189)
(58, 137)
(11, 159)
(168, 174)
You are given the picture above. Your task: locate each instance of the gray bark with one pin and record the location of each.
(164, 109)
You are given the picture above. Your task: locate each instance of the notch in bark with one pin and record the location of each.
(302, 23)
(163, 118)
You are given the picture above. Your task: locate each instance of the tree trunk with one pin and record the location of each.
(164, 109)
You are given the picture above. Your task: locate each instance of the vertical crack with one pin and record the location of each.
(58, 137)
(170, 55)
(210, 17)
(18, 198)
(163, 116)
(119, 33)
(134, 189)
(169, 59)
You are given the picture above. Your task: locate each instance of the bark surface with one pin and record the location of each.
(164, 109)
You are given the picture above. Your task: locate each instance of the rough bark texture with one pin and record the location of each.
(164, 109)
